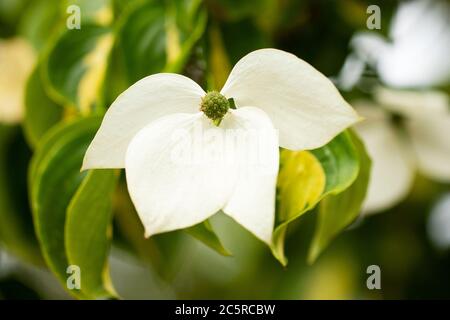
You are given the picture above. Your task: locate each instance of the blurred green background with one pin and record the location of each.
(214, 35)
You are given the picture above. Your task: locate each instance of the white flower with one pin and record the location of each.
(414, 56)
(416, 53)
(424, 147)
(147, 126)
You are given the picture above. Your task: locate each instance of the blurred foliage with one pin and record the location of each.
(78, 74)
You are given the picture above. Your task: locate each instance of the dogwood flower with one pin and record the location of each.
(415, 54)
(188, 154)
(413, 60)
(396, 157)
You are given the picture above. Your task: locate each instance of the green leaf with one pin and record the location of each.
(88, 232)
(40, 20)
(16, 228)
(340, 161)
(41, 113)
(306, 177)
(54, 178)
(337, 211)
(205, 233)
(75, 66)
(155, 36)
(143, 46)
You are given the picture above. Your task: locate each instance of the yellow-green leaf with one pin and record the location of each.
(306, 177)
(301, 183)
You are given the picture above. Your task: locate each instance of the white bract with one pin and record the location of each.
(424, 146)
(415, 54)
(415, 58)
(183, 166)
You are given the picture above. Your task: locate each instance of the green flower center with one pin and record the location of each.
(214, 106)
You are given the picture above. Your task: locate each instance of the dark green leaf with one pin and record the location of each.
(337, 211)
(40, 20)
(75, 66)
(54, 177)
(41, 113)
(154, 38)
(88, 232)
(340, 161)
